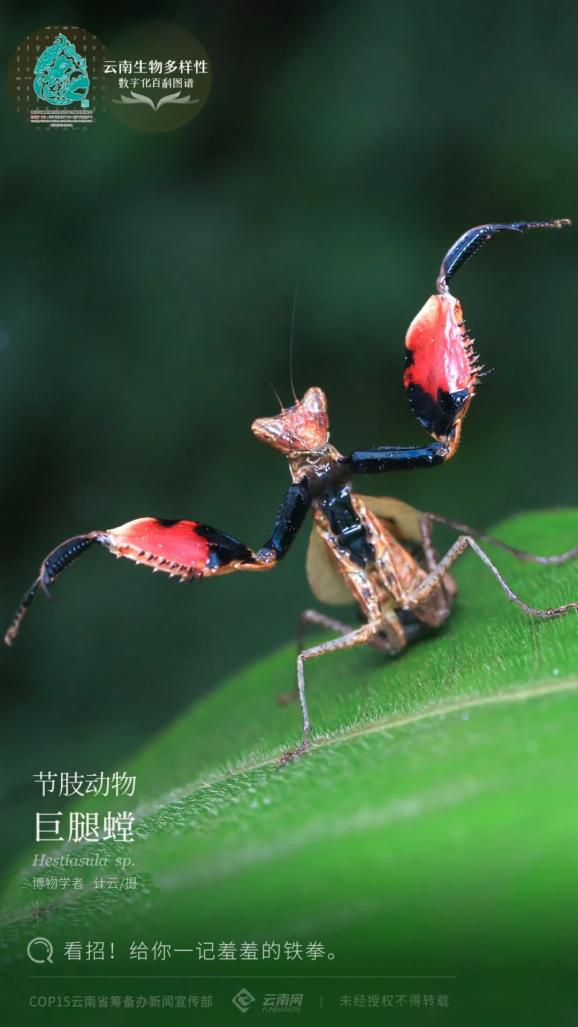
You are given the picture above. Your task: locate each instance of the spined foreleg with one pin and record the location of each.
(181, 548)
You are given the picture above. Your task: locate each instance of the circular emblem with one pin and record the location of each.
(57, 79)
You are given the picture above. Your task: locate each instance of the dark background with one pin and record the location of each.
(344, 147)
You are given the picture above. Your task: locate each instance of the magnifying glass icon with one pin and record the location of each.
(40, 950)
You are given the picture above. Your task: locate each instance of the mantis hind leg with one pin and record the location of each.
(379, 642)
(436, 575)
(520, 554)
(361, 636)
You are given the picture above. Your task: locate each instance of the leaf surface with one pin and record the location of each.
(431, 829)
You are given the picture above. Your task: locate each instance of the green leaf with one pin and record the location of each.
(431, 830)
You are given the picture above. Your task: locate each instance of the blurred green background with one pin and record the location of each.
(343, 148)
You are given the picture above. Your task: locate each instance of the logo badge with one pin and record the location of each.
(243, 1000)
(61, 75)
(56, 77)
(155, 77)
